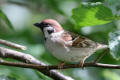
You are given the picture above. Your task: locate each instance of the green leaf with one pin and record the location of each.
(92, 14)
(5, 18)
(114, 44)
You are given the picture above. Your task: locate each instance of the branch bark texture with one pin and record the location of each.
(28, 59)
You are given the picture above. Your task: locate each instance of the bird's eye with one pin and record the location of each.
(46, 24)
(50, 31)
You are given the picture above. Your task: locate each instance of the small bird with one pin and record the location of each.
(67, 46)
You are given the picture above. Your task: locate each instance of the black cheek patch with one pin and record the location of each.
(50, 31)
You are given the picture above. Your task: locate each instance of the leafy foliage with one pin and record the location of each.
(92, 14)
(5, 18)
(114, 44)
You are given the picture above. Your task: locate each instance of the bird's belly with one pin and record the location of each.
(76, 55)
(57, 50)
(69, 54)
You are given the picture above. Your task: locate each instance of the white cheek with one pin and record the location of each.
(46, 33)
(57, 34)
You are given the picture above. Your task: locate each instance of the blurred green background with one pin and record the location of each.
(22, 14)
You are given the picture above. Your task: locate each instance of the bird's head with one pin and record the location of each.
(49, 26)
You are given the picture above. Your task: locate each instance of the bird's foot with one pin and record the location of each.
(60, 66)
(81, 65)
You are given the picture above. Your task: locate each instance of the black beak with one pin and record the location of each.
(38, 24)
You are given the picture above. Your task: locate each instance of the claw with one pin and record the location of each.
(60, 66)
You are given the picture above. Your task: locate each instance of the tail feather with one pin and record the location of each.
(101, 46)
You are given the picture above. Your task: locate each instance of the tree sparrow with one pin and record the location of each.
(67, 46)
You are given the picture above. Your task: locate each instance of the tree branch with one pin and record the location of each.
(8, 53)
(67, 66)
(13, 45)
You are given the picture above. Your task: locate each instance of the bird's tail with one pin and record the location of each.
(101, 46)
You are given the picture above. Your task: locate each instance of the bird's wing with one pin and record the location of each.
(77, 41)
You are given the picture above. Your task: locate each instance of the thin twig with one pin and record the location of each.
(67, 66)
(101, 55)
(13, 45)
(8, 53)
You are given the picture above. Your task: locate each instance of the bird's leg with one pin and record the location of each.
(60, 66)
(82, 62)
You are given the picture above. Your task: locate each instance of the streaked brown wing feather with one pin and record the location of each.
(83, 42)
(78, 41)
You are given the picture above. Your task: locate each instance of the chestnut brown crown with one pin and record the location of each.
(49, 22)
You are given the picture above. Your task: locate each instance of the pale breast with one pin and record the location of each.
(56, 50)
(68, 54)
